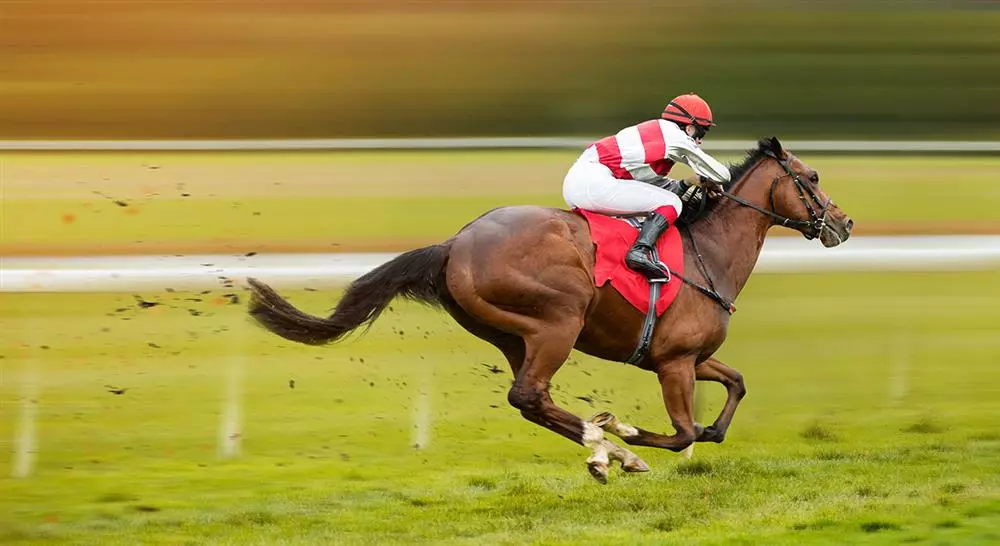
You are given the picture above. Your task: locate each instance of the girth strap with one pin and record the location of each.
(647, 326)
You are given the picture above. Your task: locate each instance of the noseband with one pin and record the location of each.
(811, 228)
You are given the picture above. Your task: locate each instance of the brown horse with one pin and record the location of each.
(521, 278)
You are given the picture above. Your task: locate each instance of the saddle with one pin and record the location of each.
(613, 237)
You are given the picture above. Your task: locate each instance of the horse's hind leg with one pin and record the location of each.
(533, 365)
(510, 345)
(545, 353)
(713, 370)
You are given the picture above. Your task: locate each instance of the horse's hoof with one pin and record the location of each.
(599, 471)
(711, 434)
(635, 465)
(602, 419)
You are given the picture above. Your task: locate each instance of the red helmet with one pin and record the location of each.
(690, 109)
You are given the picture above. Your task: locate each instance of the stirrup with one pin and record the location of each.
(653, 260)
(663, 268)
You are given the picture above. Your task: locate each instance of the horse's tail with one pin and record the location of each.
(416, 275)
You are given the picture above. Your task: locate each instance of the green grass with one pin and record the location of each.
(331, 222)
(374, 198)
(819, 453)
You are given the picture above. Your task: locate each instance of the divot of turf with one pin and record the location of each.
(695, 468)
(667, 524)
(925, 425)
(114, 497)
(482, 482)
(953, 487)
(870, 491)
(822, 523)
(251, 518)
(876, 526)
(819, 432)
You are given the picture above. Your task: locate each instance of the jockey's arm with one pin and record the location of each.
(687, 152)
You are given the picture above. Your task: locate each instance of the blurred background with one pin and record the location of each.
(137, 401)
(307, 68)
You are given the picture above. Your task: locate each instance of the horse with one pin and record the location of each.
(521, 278)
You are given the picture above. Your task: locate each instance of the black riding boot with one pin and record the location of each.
(640, 256)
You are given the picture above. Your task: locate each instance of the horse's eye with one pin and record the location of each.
(814, 177)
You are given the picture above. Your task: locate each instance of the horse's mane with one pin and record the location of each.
(765, 146)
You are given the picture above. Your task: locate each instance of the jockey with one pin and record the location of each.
(616, 175)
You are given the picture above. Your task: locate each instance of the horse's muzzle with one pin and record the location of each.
(836, 231)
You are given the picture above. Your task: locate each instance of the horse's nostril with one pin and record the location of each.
(850, 225)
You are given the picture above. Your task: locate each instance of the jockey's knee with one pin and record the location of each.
(575, 185)
(671, 199)
(670, 212)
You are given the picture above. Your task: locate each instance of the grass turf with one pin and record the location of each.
(217, 202)
(871, 419)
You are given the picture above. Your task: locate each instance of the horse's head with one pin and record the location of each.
(796, 199)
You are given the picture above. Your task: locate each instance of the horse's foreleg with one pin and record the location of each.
(713, 370)
(677, 383)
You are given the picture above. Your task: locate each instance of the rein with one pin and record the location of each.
(817, 223)
(710, 290)
(817, 219)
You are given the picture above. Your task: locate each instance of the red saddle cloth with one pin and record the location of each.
(614, 237)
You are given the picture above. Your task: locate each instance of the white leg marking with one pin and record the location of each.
(592, 435)
(630, 461)
(597, 463)
(625, 431)
(600, 454)
(610, 423)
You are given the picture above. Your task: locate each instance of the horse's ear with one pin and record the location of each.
(775, 146)
(770, 146)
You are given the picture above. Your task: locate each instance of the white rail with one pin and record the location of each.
(780, 255)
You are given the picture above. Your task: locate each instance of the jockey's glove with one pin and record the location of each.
(692, 194)
(713, 188)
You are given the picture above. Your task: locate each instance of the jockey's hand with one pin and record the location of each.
(712, 188)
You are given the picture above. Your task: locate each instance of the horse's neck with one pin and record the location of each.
(731, 237)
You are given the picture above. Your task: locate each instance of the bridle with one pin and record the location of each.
(817, 222)
(810, 229)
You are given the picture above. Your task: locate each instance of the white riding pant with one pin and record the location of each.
(591, 186)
